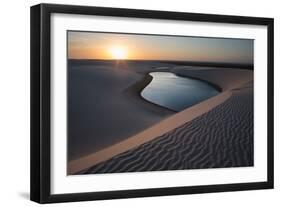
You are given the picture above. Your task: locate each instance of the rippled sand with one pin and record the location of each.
(222, 137)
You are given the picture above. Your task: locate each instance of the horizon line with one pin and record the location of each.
(161, 60)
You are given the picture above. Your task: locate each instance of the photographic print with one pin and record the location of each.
(148, 102)
(132, 103)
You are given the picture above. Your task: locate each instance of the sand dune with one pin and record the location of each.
(148, 134)
(215, 133)
(222, 137)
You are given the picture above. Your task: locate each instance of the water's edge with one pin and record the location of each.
(152, 90)
(134, 93)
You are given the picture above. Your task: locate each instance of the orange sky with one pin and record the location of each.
(96, 45)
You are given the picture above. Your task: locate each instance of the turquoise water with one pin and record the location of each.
(176, 93)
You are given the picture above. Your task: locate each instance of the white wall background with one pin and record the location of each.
(14, 101)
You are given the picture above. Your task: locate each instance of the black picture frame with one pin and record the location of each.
(41, 99)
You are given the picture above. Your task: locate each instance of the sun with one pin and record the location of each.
(118, 52)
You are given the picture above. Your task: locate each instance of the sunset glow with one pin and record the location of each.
(118, 52)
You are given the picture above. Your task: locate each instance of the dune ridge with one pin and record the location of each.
(148, 134)
(222, 137)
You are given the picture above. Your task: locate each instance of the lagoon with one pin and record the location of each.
(175, 92)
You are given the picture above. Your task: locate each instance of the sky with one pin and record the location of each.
(98, 45)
